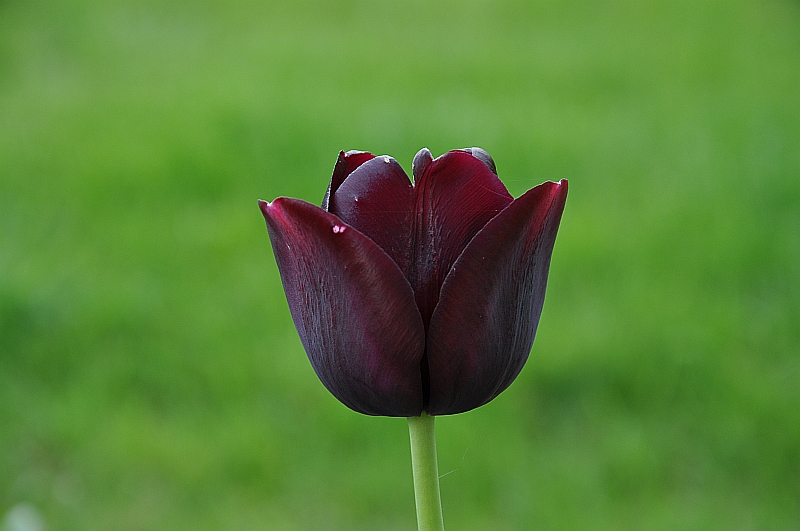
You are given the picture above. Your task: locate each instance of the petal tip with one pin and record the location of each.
(354, 152)
(273, 208)
(563, 187)
(483, 156)
(422, 160)
(264, 206)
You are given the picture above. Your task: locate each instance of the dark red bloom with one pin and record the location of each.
(423, 297)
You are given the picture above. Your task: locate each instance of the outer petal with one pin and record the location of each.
(377, 199)
(345, 165)
(456, 195)
(482, 330)
(353, 309)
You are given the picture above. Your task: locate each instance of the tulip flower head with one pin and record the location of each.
(423, 297)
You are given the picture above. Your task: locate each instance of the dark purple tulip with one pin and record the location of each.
(423, 297)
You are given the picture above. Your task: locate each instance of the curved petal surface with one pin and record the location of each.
(353, 309)
(455, 196)
(482, 330)
(345, 165)
(377, 199)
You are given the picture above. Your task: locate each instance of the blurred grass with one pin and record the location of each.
(150, 375)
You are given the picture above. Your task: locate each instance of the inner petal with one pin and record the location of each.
(377, 199)
(345, 165)
(455, 195)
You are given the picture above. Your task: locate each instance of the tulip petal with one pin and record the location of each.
(345, 165)
(377, 199)
(353, 309)
(482, 330)
(456, 195)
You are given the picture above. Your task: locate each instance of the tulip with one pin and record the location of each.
(416, 299)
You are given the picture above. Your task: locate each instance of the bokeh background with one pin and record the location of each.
(150, 374)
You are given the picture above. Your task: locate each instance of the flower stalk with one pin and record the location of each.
(426, 473)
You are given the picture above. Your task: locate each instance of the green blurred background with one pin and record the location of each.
(150, 374)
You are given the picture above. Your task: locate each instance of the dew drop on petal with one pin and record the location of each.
(387, 159)
(338, 229)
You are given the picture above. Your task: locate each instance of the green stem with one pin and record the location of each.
(426, 473)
